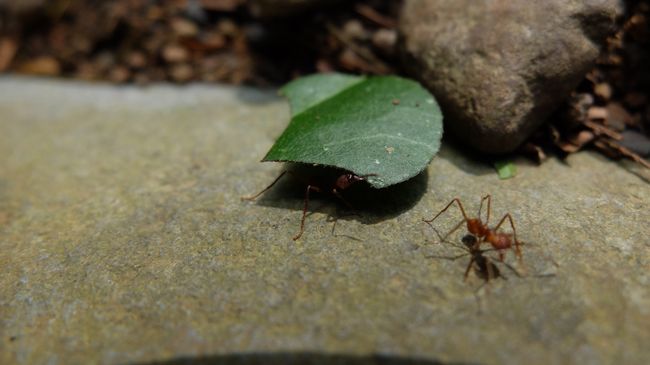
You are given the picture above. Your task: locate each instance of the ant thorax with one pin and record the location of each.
(476, 227)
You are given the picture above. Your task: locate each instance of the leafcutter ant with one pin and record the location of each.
(482, 232)
(332, 184)
(484, 267)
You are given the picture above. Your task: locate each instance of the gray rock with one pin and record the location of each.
(499, 68)
(123, 240)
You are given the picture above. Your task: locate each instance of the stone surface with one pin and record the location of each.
(123, 240)
(499, 68)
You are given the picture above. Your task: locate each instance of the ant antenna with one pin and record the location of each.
(489, 199)
(455, 200)
(253, 197)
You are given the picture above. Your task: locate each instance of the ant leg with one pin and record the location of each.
(511, 268)
(347, 204)
(462, 210)
(546, 255)
(437, 233)
(253, 197)
(336, 220)
(469, 266)
(484, 284)
(452, 258)
(479, 302)
(304, 210)
(490, 270)
(489, 199)
(490, 276)
(452, 230)
(514, 232)
(444, 239)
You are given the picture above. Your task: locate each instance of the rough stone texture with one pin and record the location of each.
(123, 240)
(499, 68)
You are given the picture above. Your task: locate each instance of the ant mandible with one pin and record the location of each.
(333, 186)
(500, 241)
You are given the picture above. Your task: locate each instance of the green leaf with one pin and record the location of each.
(505, 169)
(385, 127)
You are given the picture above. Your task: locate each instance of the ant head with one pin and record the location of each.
(344, 181)
(469, 240)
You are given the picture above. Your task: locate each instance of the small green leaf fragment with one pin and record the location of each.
(505, 169)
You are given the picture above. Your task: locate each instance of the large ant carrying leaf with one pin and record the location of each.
(332, 184)
(383, 130)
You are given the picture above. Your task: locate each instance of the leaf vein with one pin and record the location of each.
(333, 95)
(380, 135)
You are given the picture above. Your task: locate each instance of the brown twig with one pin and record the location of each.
(624, 151)
(375, 64)
(374, 16)
(602, 130)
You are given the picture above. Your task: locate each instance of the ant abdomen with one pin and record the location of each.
(500, 241)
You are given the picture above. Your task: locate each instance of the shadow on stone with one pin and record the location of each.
(294, 358)
(465, 158)
(371, 205)
(632, 167)
(472, 161)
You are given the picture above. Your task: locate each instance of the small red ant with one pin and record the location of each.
(331, 185)
(475, 226)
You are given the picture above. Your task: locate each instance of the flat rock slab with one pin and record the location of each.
(123, 240)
